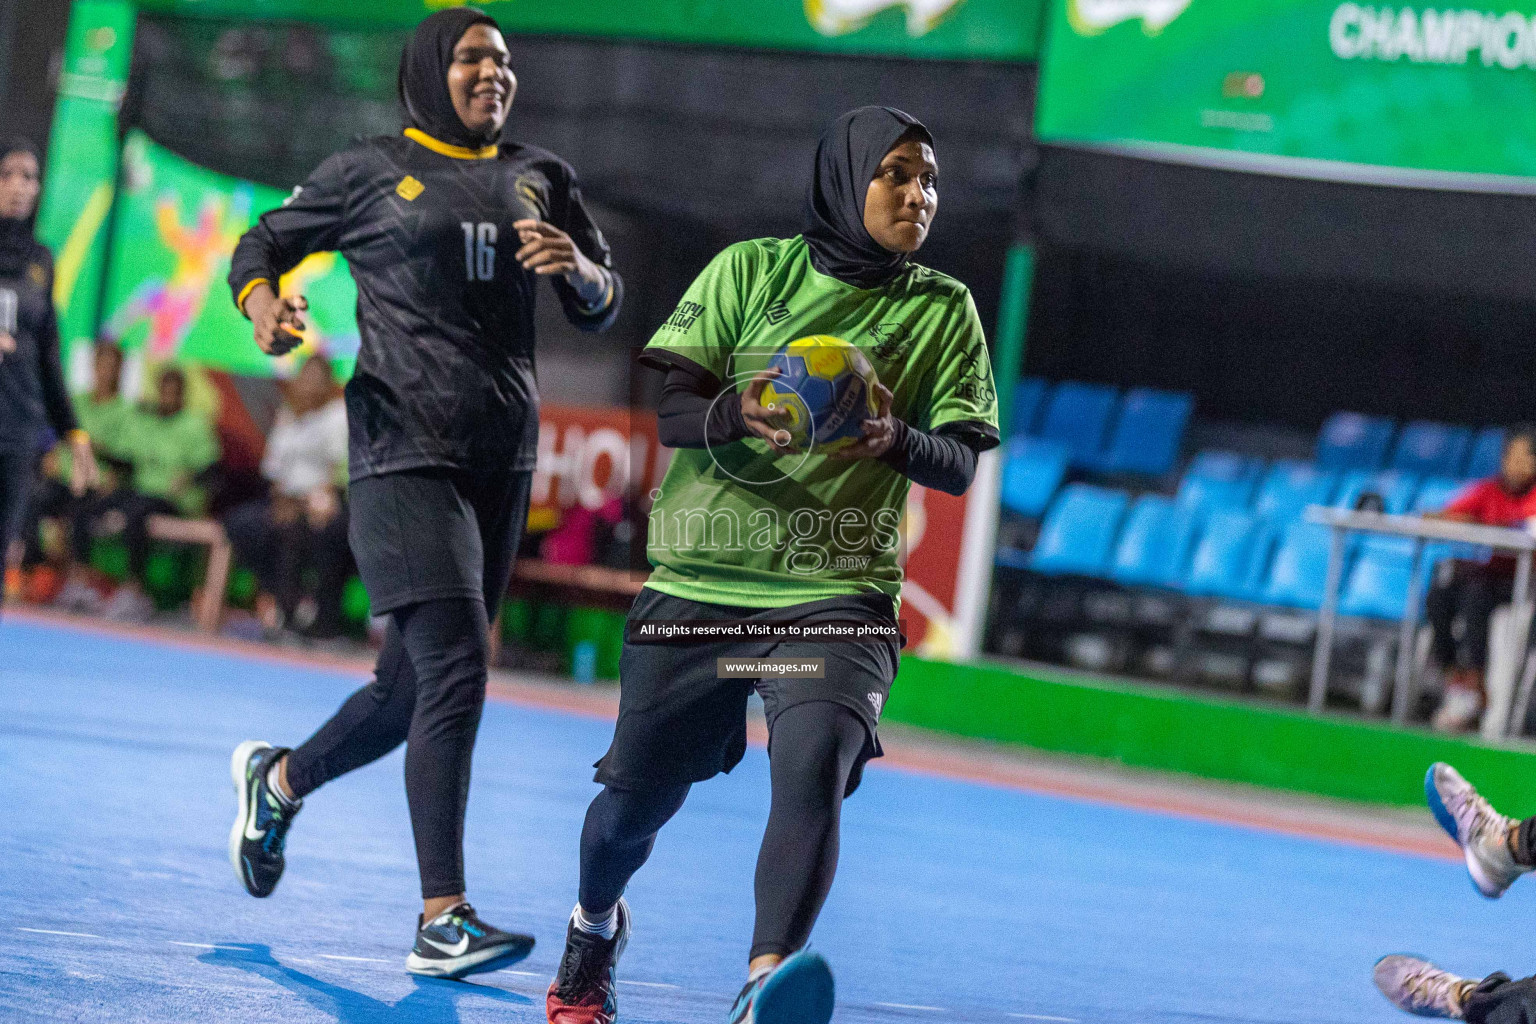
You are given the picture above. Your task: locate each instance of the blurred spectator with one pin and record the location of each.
(302, 524)
(1470, 591)
(103, 413)
(171, 448)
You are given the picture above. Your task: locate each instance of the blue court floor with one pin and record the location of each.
(955, 901)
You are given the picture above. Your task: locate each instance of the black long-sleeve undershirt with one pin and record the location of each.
(56, 403)
(689, 416)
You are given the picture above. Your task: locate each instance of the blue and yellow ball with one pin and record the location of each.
(828, 388)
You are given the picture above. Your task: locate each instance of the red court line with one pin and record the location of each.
(918, 759)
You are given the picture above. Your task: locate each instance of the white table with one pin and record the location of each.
(1421, 531)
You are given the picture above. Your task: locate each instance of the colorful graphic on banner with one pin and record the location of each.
(177, 225)
(1316, 88)
(940, 29)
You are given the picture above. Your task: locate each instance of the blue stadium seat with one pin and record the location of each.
(1487, 452)
(1079, 531)
(1436, 492)
(1225, 563)
(1299, 573)
(1032, 470)
(1352, 440)
(1396, 489)
(1078, 416)
(1146, 437)
(1155, 544)
(1028, 396)
(1217, 479)
(1289, 487)
(1431, 449)
(1377, 584)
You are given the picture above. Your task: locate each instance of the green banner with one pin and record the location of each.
(1431, 96)
(82, 158)
(944, 29)
(176, 226)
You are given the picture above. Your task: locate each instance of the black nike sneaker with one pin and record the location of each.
(456, 943)
(261, 821)
(585, 988)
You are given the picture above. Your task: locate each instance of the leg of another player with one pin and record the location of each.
(1498, 849)
(1499, 1000)
(616, 840)
(1421, 988)
(449, 645)
(816, 747)
(271, 782)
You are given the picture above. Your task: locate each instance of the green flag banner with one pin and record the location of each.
(82, 158)
(177, 225)
(943, 29)
(1428, 96)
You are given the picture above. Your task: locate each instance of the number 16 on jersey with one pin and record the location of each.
(479, 250)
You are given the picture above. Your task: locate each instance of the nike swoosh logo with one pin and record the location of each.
(457, 949)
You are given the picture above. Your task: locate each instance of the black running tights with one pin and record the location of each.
(814, 750)
(428, 692)
(1498, 1000)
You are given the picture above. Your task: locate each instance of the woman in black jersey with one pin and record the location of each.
(447, 233)
(32, 394)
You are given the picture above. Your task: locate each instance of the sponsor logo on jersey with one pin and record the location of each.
(683, 316)
(777, 312)
(975, 381)
(876, 701)
(528, 187)
(409, 189)
(891, 341)
(37, 274)
(839, 17)
(1090, 17)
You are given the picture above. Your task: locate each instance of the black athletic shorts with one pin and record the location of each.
(423, 535)
(678, 722)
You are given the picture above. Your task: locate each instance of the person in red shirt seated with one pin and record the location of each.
(1470, 591)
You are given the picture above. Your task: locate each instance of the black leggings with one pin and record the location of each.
(813, 751)
(1498, 1000)
(446, 644)
(1471, 590)
(15, 486)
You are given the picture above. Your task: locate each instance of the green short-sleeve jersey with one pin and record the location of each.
(167, 452)
(107, 424)
(741, 525)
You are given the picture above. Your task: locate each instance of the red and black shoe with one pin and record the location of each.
(585, 989)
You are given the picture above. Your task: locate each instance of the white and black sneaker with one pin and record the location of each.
(262, 818)
(456, 943)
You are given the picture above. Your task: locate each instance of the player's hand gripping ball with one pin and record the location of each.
(827, 388)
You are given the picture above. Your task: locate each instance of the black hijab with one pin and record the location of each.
(17, 247)
(846, 160)
(424, 76)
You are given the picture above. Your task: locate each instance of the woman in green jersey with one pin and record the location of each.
(748, 532)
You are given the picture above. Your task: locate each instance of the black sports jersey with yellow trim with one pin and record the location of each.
(32, 393)
(445, 374)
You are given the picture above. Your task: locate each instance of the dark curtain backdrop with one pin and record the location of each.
(1278, 300)
(31, 50)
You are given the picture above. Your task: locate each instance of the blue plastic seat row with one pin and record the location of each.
(1227, 480)
(1225, 553)
(1102, 430)
(1352, 440)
